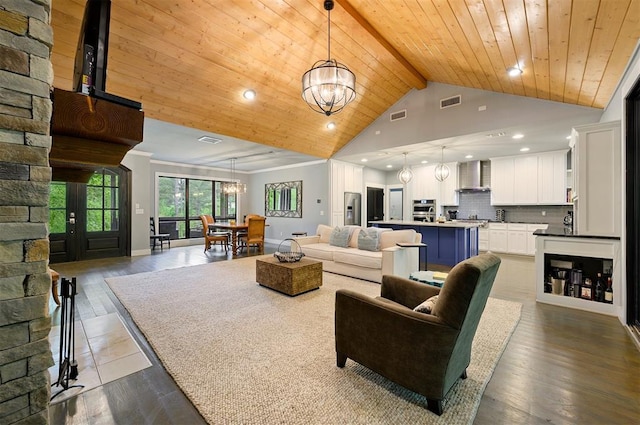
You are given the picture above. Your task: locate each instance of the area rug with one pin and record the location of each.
(245, 354)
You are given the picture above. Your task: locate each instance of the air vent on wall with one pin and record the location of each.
(400, 115)
(450, 101)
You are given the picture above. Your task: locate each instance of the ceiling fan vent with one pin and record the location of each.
(400, 115)
(450, 101)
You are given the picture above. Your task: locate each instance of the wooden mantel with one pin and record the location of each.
(89, 133)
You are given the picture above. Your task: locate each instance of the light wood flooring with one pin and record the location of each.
(561, 366)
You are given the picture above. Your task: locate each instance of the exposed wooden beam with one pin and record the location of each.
(383, 42)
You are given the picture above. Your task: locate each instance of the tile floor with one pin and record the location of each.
(104, 350)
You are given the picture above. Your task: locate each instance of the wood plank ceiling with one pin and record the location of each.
(189, 62)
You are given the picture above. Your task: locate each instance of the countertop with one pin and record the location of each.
(567, 232)
(457, 224)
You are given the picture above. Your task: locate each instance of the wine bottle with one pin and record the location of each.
(608, 293)
(599, 293)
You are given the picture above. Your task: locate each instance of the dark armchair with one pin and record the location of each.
(426, 353)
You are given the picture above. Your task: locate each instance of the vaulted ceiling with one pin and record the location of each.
(189, 62)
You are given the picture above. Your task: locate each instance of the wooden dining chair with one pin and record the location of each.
(211, 238)
(211, 220)
(242, 234)
(255, 233)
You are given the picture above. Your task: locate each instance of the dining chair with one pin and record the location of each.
(211, 220)
(255, 233)
(155, 237)
(242, 234)
(212, 237)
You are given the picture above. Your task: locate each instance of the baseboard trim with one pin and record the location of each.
(635, 335)
(139, 252)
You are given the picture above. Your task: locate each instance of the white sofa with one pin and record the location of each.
(363, 264)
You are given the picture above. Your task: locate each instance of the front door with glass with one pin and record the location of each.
(88, 221)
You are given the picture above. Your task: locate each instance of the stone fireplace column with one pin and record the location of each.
(26, 77)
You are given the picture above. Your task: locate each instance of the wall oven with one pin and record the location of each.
(424, 210)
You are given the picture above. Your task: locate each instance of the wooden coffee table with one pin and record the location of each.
(289, 278)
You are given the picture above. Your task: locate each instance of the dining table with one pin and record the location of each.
(234, 228)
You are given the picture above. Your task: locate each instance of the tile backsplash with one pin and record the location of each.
(479, 203)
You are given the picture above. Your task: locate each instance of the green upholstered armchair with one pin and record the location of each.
(425, 353)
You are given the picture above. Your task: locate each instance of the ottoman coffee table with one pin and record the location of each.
(289, 278)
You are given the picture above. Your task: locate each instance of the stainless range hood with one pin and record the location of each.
(474, 176)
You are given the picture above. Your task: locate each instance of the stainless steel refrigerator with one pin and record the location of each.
(352, 202)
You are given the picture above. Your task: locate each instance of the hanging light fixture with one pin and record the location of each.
(442, 169)
(233, 186)
(328, 86)
(405, 175)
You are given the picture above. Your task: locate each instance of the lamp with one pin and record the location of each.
(233, 186)
(514, 71)
(405, 175)
(442, 169)
(328, 86)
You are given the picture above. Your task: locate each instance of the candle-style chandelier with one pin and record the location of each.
(233, 186)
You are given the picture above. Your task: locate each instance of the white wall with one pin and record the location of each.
(141, 206)
(616, 111)
(426, 121)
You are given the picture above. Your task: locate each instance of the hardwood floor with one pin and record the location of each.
(561, 366)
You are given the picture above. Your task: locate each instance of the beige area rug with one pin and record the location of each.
(245, 354)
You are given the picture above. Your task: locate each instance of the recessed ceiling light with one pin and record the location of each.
(524, 149)
(249, 94)
(517, 136)
(514, 71)
(424, 162)
(364, 160)
(469, 156)
(389, 166)
(331, 125)
(209, 139)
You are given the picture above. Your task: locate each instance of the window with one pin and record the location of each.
(58, 207)
(182, 200)
(102, 202)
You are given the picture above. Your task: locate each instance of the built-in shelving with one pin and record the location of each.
(591, 255)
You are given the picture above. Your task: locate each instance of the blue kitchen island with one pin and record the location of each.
(447, 243)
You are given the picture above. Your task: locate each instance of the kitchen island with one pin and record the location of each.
(447, 243)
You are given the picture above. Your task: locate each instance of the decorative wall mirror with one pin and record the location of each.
(283, 199)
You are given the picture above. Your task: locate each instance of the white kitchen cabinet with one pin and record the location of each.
(344, 177)
(424, 184)
(596, 154)
(483, 239)
(552, 178)
(498, 237)
(448, 188)
(502, 181)
(531, 239)
(529, 179)
(517, 238)
(511, 238)
(525, 180)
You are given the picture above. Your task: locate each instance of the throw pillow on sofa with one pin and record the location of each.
(427, 306)
(324, 232)
(340, 236)
(368, 239)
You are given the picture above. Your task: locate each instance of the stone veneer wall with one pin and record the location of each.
(26, 77)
